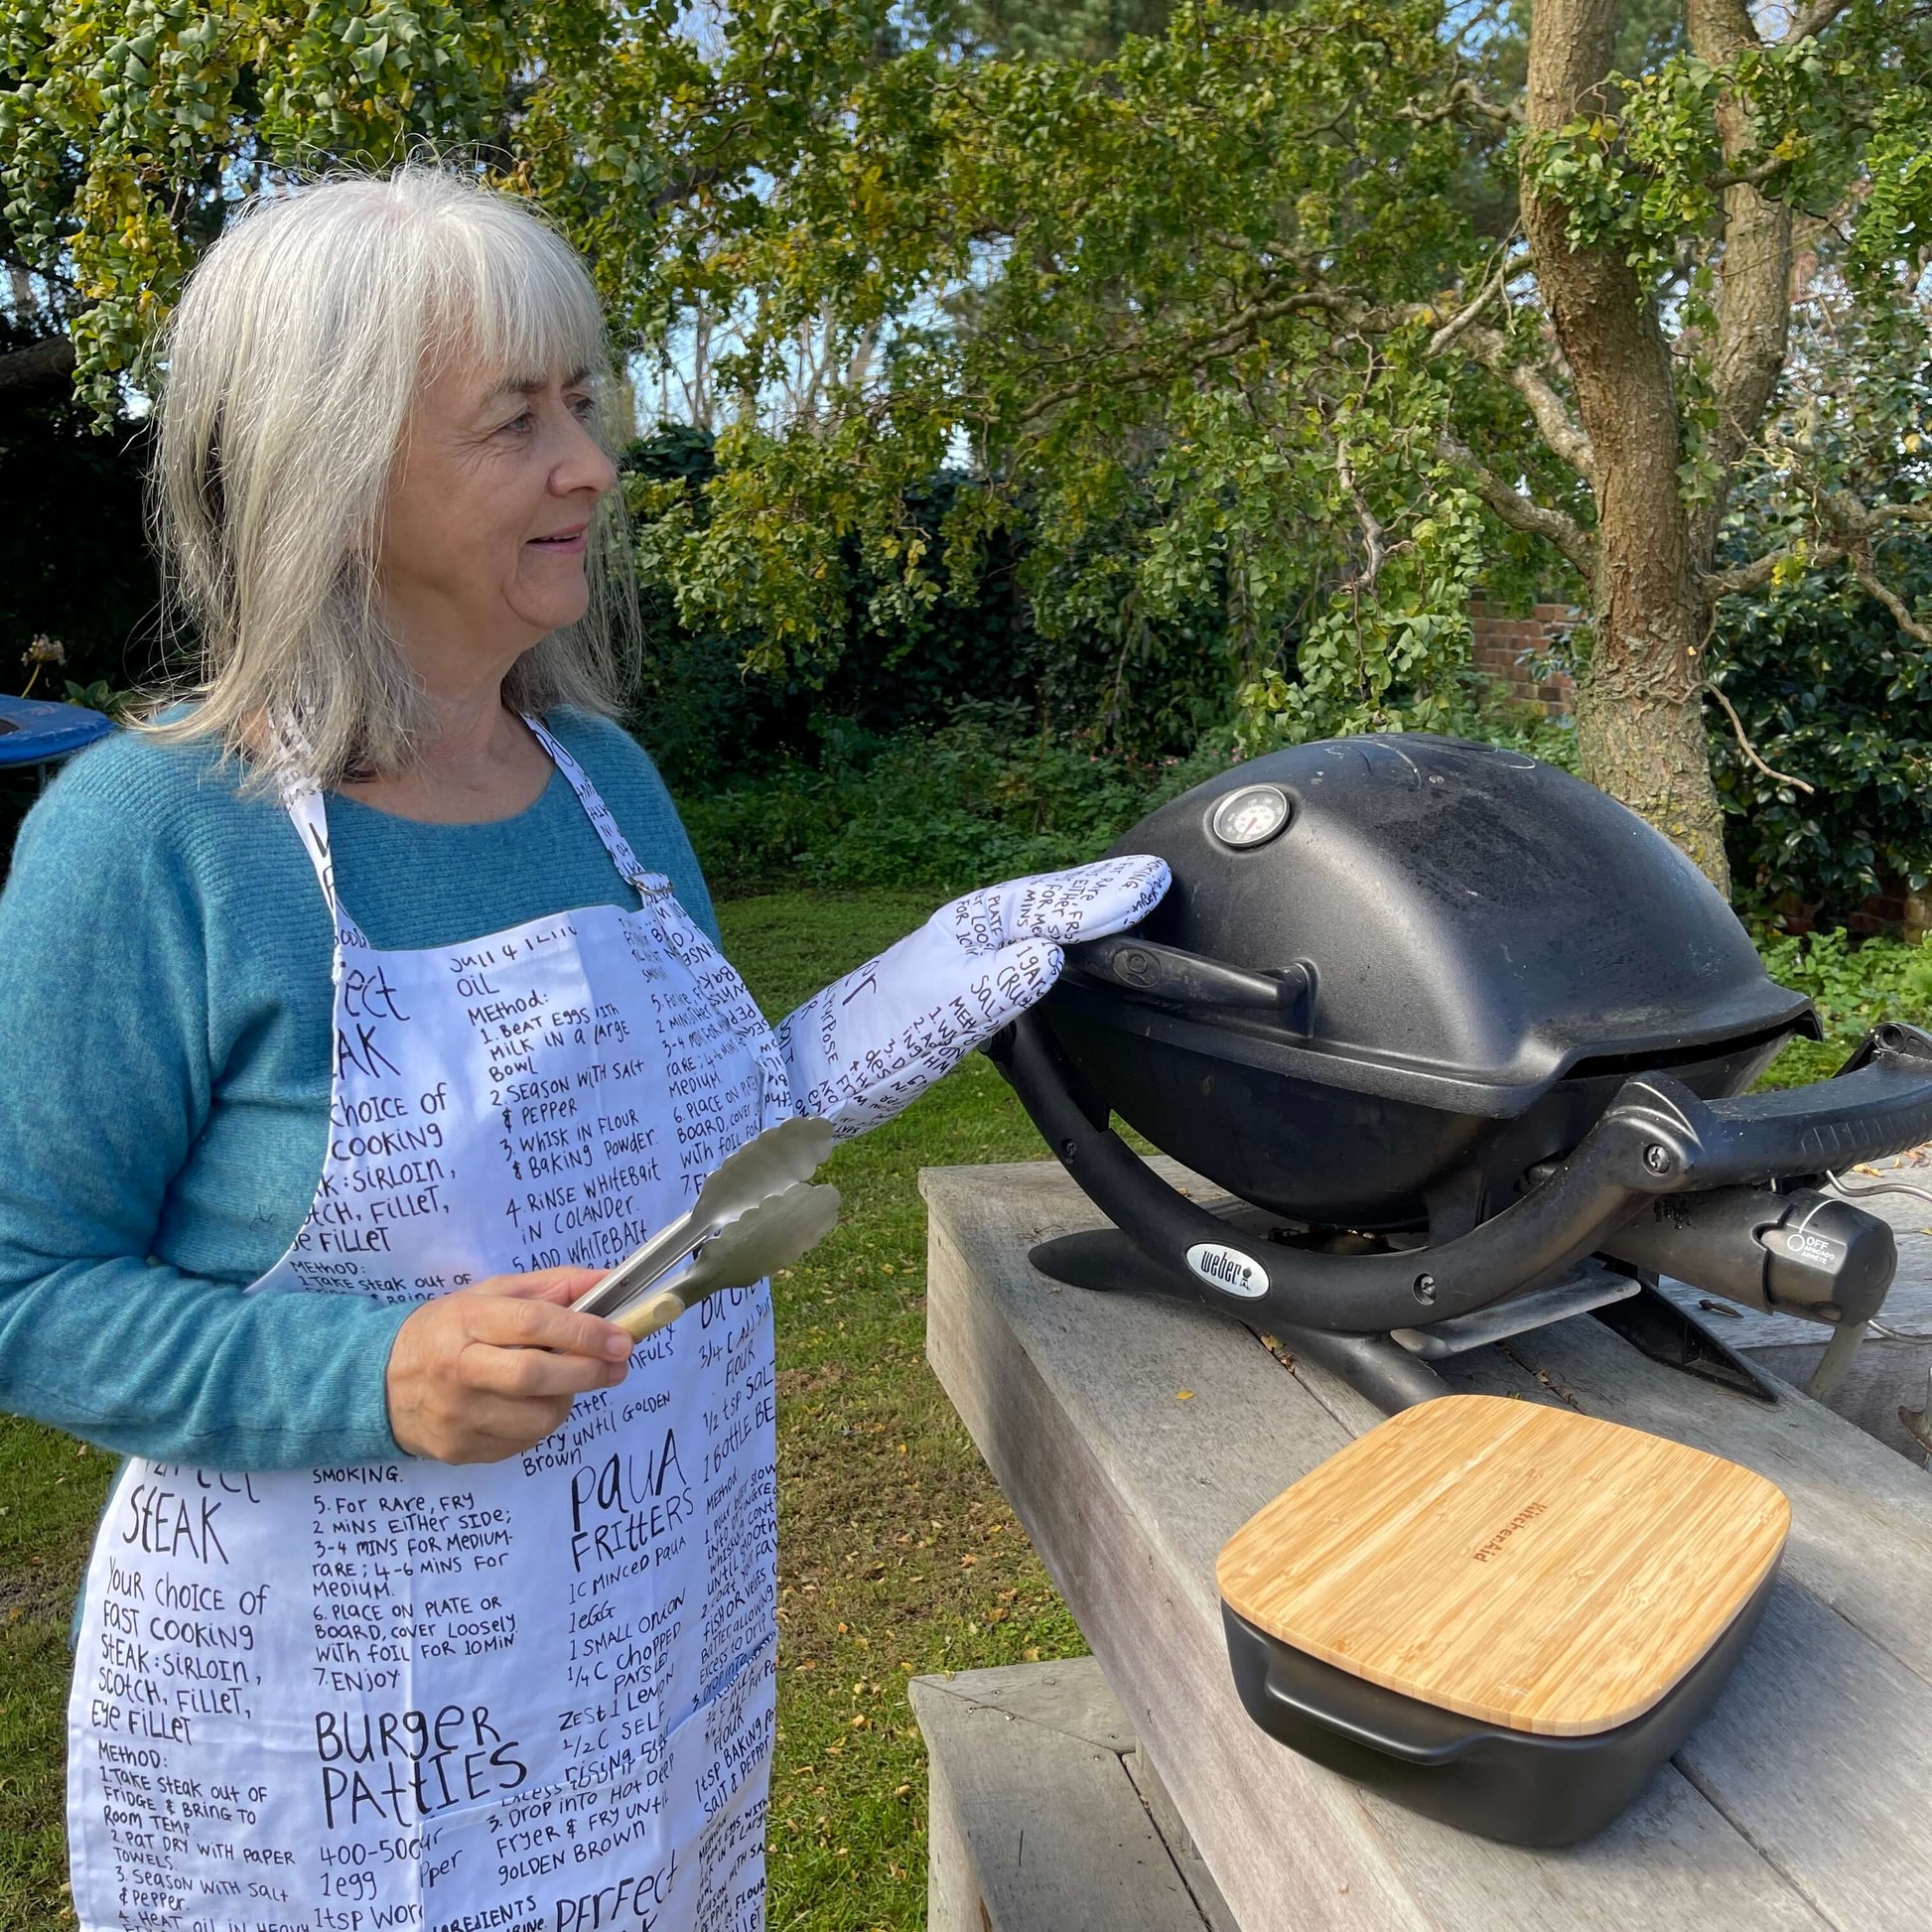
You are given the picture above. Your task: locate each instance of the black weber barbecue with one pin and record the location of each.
(1468, 1046)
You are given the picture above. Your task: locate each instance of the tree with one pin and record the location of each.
(1360, 314)
(131, 129)
(1321, 312)
(1698, 192)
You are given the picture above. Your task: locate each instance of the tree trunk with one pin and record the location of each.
(1640, 731)
(1754, 278)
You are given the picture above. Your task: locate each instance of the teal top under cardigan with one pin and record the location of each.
(165, 1051)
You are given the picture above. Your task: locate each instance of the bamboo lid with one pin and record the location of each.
(1526, 1566)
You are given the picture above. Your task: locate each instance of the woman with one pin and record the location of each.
(359, 1014)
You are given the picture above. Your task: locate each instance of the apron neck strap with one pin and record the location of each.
(646, 884)
(304, 807)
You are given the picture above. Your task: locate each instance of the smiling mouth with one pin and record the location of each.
(561, 539)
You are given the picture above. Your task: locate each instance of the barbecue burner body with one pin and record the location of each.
(1451, 1017)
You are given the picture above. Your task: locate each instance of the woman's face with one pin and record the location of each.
(486, 522)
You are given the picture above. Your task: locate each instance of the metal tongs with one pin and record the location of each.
(757, 1211)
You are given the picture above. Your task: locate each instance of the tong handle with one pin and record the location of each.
(661, 1253)
(644, 1318)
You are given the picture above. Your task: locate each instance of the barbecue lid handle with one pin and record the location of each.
(1170, 976)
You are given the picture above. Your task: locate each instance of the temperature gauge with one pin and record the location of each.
(1251, 816)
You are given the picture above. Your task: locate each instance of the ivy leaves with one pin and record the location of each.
(129, 126)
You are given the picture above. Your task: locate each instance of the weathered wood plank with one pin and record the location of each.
(1129, 1490)
(1860, 1516)
(1891, 1370)
(1034, 1824)
(1301, 1861)
(1885, 1377)
(1179, 1842)
(1069, 1695)
(1907, 1314)
(1821, 1755)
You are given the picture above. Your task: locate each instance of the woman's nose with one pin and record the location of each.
(581, 465)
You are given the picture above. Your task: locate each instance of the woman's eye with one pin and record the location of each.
(519, 423)
(584, 408)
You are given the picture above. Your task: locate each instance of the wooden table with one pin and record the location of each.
(1134, 1437)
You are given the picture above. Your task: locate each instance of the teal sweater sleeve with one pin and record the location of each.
(166, 1010)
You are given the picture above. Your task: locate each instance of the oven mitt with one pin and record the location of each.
(875, 1041)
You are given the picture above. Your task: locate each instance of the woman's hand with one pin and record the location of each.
(485, 1372)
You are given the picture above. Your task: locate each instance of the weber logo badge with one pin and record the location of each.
(1228, 1268)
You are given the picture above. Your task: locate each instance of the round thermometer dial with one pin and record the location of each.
(1251, 816)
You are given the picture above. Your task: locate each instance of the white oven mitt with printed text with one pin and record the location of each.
(874, 1042)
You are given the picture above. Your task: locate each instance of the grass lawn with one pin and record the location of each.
(896, 1552)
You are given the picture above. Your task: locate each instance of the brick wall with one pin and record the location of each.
(1507, 648)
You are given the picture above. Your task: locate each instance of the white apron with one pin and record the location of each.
(533, 1695)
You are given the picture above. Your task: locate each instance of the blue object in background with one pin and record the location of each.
(38, 731)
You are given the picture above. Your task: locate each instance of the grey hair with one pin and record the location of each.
(291, 364)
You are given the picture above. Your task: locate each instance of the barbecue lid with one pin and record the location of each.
(1470, 915)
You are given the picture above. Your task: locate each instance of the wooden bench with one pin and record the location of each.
(1132, 1437)
(1043, 1812)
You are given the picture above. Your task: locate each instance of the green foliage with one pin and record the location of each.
(1058, 30)
(102, 697)
(126, 126)
(1395, 661)
(1086, 227)
(983, 797)
(1835, 130)
(130, 129)
(1182, 288)
(1829, 693)
(1829, 689)
(54, 1493)
(1152, 684)
(1855, 985)
(976, 800)
(1645, 173)
(707, 714)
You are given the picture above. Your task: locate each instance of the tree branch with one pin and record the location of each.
(1898, 513)
(1518, 511)
(40, 365)
(1375, 539)
(1462, 97)
(1854, 526)
(1492, 286)
(1753, 576)
(1813, 20)
(1901, 614)
(1748, 749)
(1554, 421)
(1751, 177)
(1222, 339)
